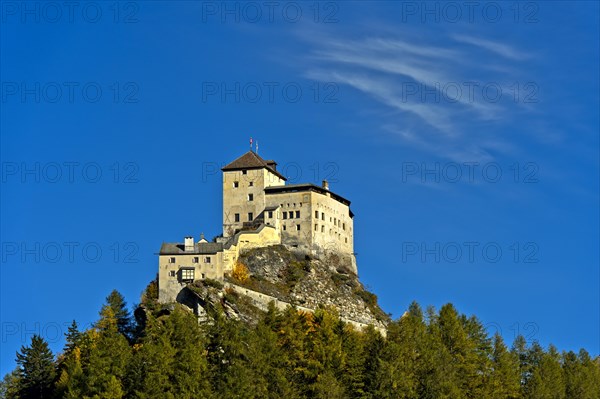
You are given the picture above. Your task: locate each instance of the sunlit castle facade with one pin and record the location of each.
(260, 209)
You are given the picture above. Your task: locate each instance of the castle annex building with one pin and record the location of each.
(259, 209)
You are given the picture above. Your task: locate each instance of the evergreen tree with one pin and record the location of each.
(546, 380)
(69, 364)
(104, 357)
(36, 370)
(505, 382)
(9, 386)
(119, 308)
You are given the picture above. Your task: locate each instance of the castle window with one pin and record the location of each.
(172, 260)
(237, 217)
(250, 197)
(172, 273)
(250, 216)
(291, 214)
(284, 227)
(316, 227)
(236, 184)
(203, 276)
(285, 215)
(244, 172)
(270, 214)
(207, 259)
(187, 274)
(335, 221)
(316, 214)
(344, 226)
(251, 184)
(346, 240)
(297, 214)
(322, 215)
(195, 260)
(322, 228)
(298, 227)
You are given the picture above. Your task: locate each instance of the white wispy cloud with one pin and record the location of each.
(499, 48)
(430, 83)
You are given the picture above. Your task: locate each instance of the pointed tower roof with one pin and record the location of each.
(252, 160)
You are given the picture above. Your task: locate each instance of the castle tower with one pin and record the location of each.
(244, 183)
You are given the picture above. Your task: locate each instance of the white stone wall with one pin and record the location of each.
(236, 200)
(169, 285)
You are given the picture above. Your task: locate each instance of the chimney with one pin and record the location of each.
(189, 244)
(325, 185)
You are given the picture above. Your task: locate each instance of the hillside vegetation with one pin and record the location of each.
(166, 353)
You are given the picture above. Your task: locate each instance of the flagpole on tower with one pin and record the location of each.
(250, 143)
(256, 146)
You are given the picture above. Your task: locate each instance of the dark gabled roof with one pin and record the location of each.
(289, 188)
(201, 248)
(252, 160)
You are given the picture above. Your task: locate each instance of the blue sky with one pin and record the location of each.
(466, 139)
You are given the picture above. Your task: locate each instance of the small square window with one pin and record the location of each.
(298, 227)
(250, 216)
(244, 172)
(195, 260)
(250, 197)
(251, 184)
(236, 184)
(207, 259)
(172, 260)
(237, 217)
(297, 214)
(172, 273)
(203, 276)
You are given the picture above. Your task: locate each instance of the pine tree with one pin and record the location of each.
(9, 386)
(505, 381)
(104, 359)
(69, 364)
(546, 380)
(36, 370)
(119, 308)
(398, 374)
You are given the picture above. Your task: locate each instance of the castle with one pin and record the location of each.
(259, 209)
